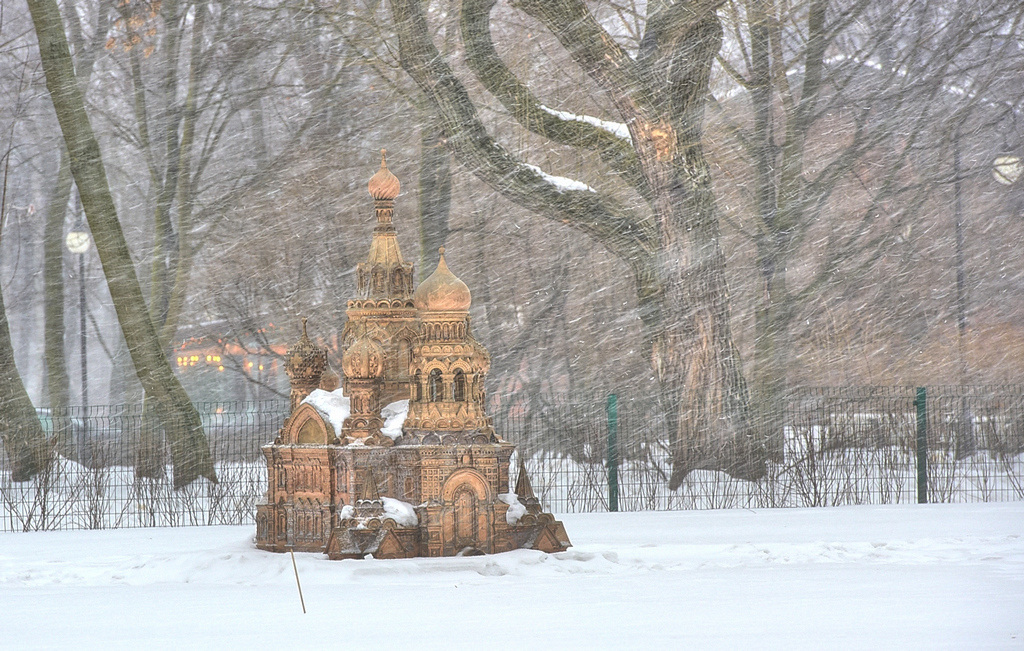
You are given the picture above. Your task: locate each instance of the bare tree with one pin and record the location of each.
(84, 53)
(835, 111)
(671, 239)
(20, 429)
(21, 432)
(181, 421)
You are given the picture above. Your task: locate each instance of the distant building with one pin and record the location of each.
(213, 368)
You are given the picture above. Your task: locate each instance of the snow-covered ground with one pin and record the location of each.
(871, 577)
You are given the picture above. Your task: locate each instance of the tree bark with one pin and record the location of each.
(189, 448)
(20, 430)
(53, 304)
(435, 194)
(53, 281)
(697, 360)
(673, 249)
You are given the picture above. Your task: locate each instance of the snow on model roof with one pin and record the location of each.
(516, 509)
(334, 407)
(394, 417)
(403, 513)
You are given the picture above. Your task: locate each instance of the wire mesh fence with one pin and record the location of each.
(863, 445)
(111, 468)
(836, 446)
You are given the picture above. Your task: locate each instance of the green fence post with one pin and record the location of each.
(613, 453)
(922, 446)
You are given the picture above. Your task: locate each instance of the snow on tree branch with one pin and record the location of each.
(617, 129)
(561, 183)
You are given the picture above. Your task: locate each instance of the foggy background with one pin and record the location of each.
(293, 101)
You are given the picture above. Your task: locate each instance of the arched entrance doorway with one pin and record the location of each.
(466, 519)
(467, 512)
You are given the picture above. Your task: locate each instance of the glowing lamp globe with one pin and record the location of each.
(78, 241)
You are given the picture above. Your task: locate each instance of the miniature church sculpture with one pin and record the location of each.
(439, 487)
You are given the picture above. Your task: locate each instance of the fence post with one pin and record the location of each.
(613, 453)
(922, 445)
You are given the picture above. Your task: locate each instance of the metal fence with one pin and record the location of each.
(864, 445)
(835, 446)
(95, 481)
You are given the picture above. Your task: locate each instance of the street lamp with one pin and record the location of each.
(78, 242)
(1007, 169)
(965, 444)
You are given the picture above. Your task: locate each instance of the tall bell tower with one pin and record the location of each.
(383, 309)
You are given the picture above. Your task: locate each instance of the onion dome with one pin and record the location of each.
(442, 291)
(329, 381)
(306, 360)
(364, 360)
(384, 185)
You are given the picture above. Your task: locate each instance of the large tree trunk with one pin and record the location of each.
(778, 189)
(698, 363)
(53, 282)
(189, 448)
(435, 194)
(20, 429)
(662, 102)
(53, 305)
(673, 249)
(695, 356)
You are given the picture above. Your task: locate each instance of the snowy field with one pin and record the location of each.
(871, 577)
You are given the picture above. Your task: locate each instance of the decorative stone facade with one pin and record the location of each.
(440, 488)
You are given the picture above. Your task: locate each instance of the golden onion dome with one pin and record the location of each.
(364, 359)
(442, 291)
(384, 184)
(329, 381)
(306, 360)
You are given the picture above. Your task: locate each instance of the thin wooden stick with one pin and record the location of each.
(296, 568)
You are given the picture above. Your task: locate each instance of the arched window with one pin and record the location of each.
(459, 387)
(404, 357)
(436, 387)
(417, 387)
